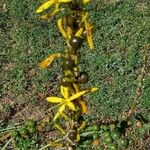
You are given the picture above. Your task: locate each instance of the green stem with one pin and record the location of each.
(12, 128)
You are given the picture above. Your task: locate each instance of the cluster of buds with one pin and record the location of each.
(75, 28)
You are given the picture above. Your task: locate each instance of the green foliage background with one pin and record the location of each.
(121, 30)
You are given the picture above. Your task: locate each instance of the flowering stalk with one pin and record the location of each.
(75, 28)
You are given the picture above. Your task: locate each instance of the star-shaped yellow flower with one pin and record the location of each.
(67, 100)
(49, 3)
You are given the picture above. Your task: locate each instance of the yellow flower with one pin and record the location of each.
(86, 1)
(67, 100)
(49, 3)
(45, 63)
(88, 28)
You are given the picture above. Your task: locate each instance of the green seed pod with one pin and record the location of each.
(123, 143)
(78, 148)
(106, 134)
(83, 77)
(105, 127)
(76, 43)
(65, 81)
(107, 140)
(113, 146)
(115, 135)
(87, 142)
(68, 64)
(92, 128)
(112, 127)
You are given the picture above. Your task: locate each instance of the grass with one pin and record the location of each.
(122, 30)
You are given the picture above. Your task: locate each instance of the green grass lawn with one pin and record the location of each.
(121, 31)
(121, 35)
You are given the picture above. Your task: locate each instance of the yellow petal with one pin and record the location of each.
(65, 116)
(61, 109)
(60, 26)
(45, 17)
(45, 63)
(59, 128)
(56, 9)
(71, 106)
(83, 105)
(82, 126)
(94, 89)
(79, 32)
(89, 35)
(75, 68)
(64, 1)
(55, 144)
(45, 6)
(86, 1)
(75, 96)
(77, 138)
(69, 32)
(76, 86)
(64, 91)
(85, 15)
(54, 99)
(68, 73)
